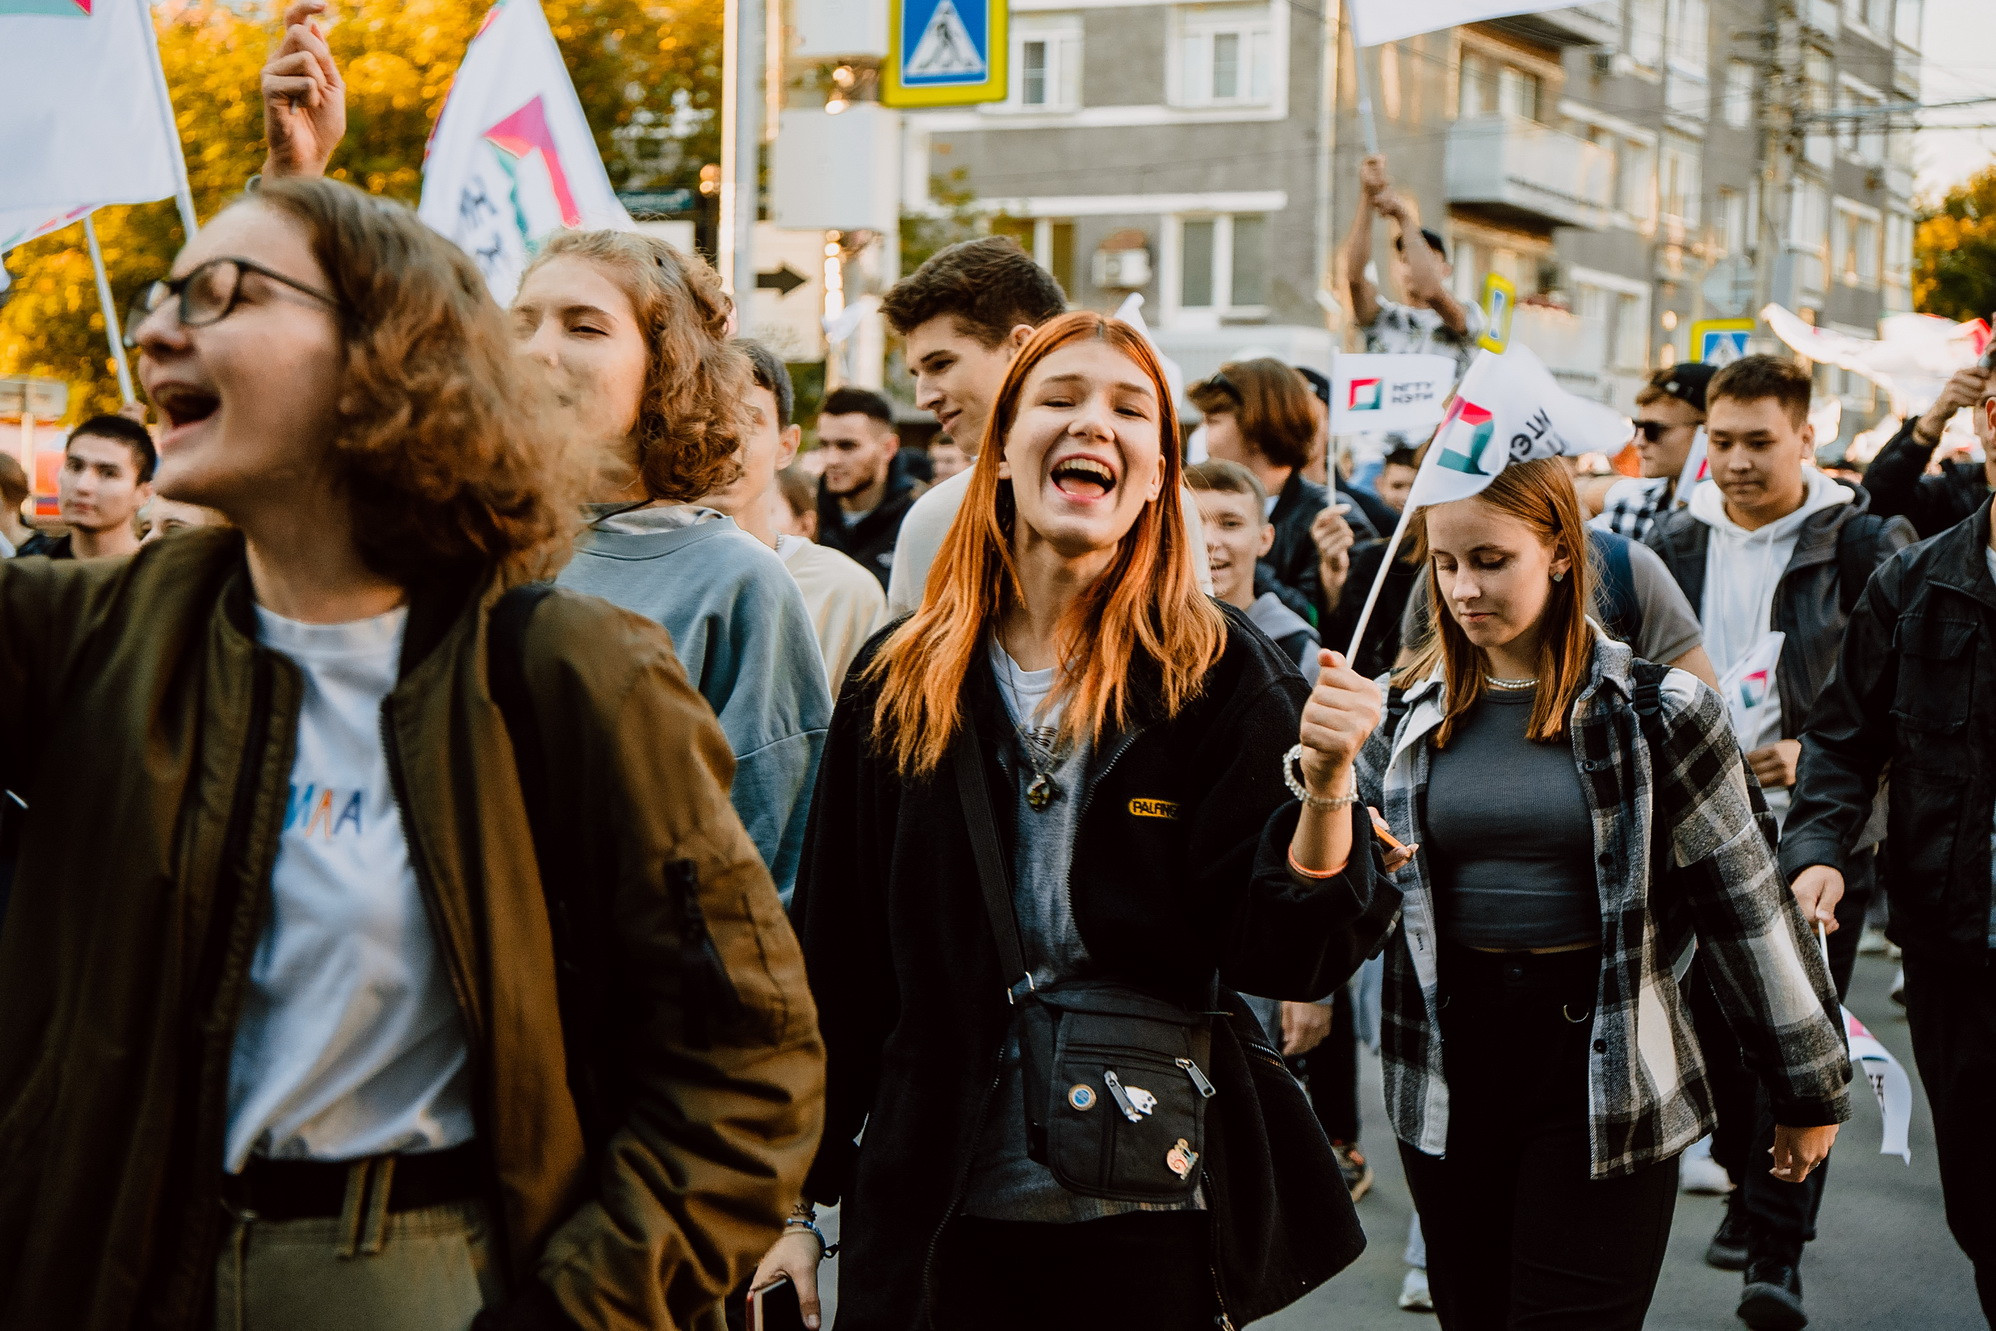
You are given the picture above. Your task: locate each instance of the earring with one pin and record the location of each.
(1559, 577)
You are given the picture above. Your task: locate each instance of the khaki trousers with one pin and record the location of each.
(424, 1270)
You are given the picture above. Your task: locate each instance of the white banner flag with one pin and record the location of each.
(1889, 1083)
(1911, 359)
(1378, 394)
(511, 159)
(1509, 409)
(1377, 21)
(83, 118)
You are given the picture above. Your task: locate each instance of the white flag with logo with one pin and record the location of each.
(83, 118)
(1889, 1085)
(1911, 359)
(1379, 394)
(511, 160)
(1376, 21)
(1508, 409)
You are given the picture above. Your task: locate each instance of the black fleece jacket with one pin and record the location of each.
(1180, 871)
(1899, 486)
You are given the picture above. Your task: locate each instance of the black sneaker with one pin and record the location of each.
(1728, 1249)
(1773, 1298)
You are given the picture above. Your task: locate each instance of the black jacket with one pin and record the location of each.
(871, 541)
(1812, 601)
(914, 1009)
(1289, 569)
(1379, 515)
(1915, 686)
(1899, 486)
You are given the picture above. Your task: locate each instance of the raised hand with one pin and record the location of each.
(304, 97)
(1340, 716)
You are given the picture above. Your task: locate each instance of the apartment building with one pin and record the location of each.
(1623, 163)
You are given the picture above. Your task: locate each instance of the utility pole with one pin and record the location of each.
(744, 29)
(1786, 85)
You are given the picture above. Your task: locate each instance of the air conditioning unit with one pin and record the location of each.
(1121, 269)
(1610, 64)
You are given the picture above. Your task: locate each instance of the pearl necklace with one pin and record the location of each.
(1510, 685)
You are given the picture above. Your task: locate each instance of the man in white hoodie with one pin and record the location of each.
(1774, 555)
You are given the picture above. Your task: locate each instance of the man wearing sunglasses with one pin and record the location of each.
(1670, 410)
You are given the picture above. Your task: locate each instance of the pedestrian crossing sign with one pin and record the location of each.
(1720, 341)
(944, 52)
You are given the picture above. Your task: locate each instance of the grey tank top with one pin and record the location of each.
(1509, 834)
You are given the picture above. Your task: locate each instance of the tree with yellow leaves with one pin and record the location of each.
(647, 72)
(1954, 252)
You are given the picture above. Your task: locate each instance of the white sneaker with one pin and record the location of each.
(1414, 1295)
(1872, 942)
(1701, 1175)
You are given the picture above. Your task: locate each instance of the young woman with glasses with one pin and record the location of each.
(1136, 738)
(1584, 817)
(286, 1046)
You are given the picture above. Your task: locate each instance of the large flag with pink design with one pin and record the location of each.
(84, 120)
(511, 159)
(1508, 408)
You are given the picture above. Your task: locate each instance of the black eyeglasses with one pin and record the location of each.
(207, 294)
(1653, 430)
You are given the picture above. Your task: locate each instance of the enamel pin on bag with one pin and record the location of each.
(1115, 1082)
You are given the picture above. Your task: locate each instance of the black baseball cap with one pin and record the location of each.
(1435, 243)
(1319, 385)
(1686, 381)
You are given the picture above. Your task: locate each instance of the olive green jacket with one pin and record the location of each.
(152, 738)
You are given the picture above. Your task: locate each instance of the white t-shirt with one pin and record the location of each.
(846, 602)
(350, 1042)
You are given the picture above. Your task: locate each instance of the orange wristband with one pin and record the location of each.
(1316, 875)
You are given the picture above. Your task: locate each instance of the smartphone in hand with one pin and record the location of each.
(774, 1308)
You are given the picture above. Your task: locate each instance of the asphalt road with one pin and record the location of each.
(1882, 1260)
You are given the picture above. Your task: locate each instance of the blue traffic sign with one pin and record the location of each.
(945, 52)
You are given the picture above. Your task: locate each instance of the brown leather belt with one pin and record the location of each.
(319, 1189)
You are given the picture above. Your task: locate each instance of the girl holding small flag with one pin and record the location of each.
(1583, 818)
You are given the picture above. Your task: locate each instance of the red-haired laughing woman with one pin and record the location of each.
(1134, 738)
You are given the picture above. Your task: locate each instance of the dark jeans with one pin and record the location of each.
(1150, 1269)
(1951, 1011)
(1780, 1217)
(1330, 1074)
(1520, 1236)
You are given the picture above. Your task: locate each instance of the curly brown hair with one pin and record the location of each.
(694, 414)
(452, 459)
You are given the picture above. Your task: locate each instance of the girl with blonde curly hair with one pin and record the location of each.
(304, 1039)
(634, 337)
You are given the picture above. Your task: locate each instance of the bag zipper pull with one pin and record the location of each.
(1115, 1085)
(1199, 1083)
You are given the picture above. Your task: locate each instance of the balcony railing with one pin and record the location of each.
(1528, 173)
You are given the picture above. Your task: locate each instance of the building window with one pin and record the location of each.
(1809, 236)
(1732, 221)
(1049, 240)
(1488, 86)
(1741, 77)
(1873, 16)
(1690, 34)
(1225, 56)
(1855, 245)
(1046, 50)
(1861, 137)
(1223, 264)
(1619, 315)
(1906, 23)
(1818, 146)
(1646, 33)
(1898, 260)
(1678, 183)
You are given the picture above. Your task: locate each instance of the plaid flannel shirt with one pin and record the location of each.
(1631, 506)
(1648, 1096)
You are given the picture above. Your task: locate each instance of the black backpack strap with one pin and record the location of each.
(1396, 707)
(1648, 700)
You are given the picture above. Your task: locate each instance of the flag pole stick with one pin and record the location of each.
(183, 193)
(1379, 580)
(1367, 125)
(111, 329)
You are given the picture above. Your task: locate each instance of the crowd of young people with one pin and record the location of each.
(402, 934)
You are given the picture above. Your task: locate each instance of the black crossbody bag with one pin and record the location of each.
(1115, 1080)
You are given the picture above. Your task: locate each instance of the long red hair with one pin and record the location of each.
(1145, 608)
